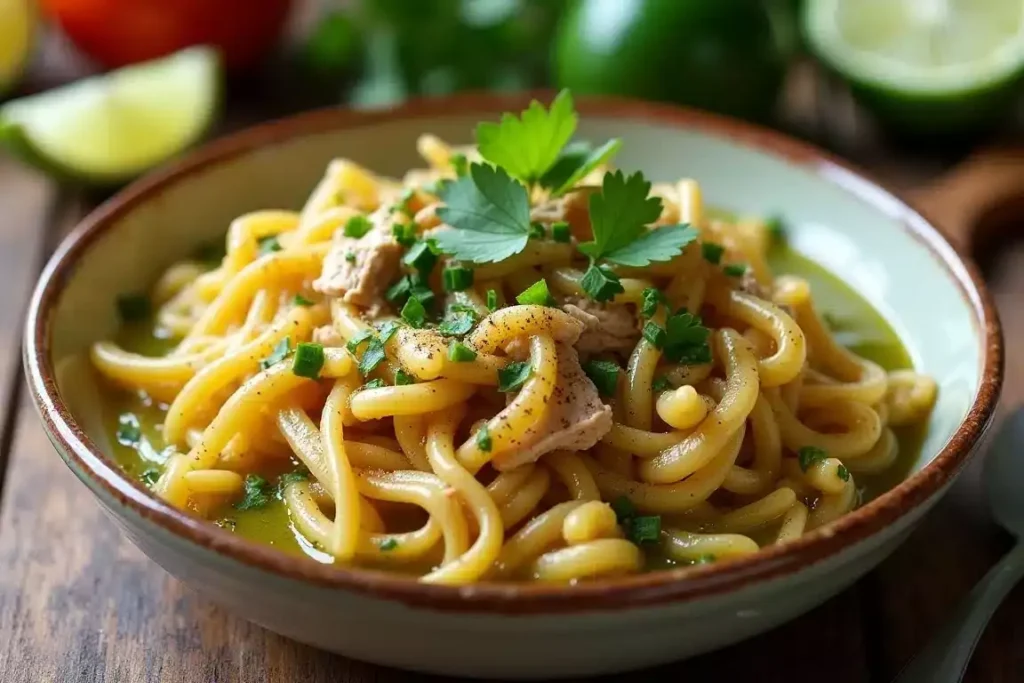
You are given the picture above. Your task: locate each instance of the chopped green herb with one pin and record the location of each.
(388, 544)
(575, 162)
(776, 228)
(600, 283)
(492, 300)
(651, 298)
(387, 330)
(424, 295)
(808, 455)
(661, 383)
(374, 384)
(133, 307)
(536, 294)
(712, 252)
(483, 439)
(357, 226)
(403, 378)
(404, 233)
(735, 269)
(457, 323)
(459, 164)
(350, 256)
(624, 509)
(644, 529)
(489, 214)
(514, 375)
(399, 291)
(655, 334)
(372, 356)
(414, 312)
(150, 476)
(309, 360)
(405, 201)
(560, 232)
(538, 231)
(619, 215)
(300, 300)
(706, 558)
(281, 351)
(457, 278)
(268, 245)
(460, 353)
(604, 374)
(686, 339)
(421, 257)
(528, 145)
(357, 339)
(129, 432)
(843, 473)
(256, 494)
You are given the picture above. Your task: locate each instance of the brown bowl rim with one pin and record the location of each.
(675, 585)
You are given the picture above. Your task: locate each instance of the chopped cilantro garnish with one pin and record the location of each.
(372, 356)
(403, 378)
(644, 529)
(387, 331)
(514, 375)
(492, 300)
(528, 145)
(424, 295)
(257, 493)
(350, 256)
(536, 294)
(619, 215)
(712, 252)
(293, 477)
(600, 283)
(661, 383)
(459, 164)
(405, 201)
(300, 300)
(149, 476)
(735, 269)
(457, 323)
(374, 384)
(268, 245)
(421, 257)
(604, 374)
(278, 354)
(414, 312)
(309, 359)
(457, 278)
(538, 231)
(655, 334)
(404, 233)
(651, 298)
(133, 307)
(460, 353)
(776, 229)
(808, 455)
(843, 473)
(686, 339)
(357, 226)
(489, 215)
(560, 232)
(483, 439)
(357, 339)
(129, 431)
(399, 291)
(575, 162)
(624, 509)
(388, 544)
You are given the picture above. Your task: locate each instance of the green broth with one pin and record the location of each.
(857, 325)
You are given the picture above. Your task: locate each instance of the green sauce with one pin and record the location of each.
(857, 325)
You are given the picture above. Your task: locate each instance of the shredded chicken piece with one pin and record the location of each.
(609, 327)
(360, 270)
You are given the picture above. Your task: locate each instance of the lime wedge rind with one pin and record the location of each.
(110, 128)
(821, 27)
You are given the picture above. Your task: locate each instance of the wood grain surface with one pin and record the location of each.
(79, 604)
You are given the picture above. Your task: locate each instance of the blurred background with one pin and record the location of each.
(927, 78)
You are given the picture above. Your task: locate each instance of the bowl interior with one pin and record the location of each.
(856, 231)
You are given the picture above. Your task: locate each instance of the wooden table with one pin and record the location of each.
(79, 604)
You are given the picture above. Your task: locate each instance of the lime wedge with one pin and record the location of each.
(109, 128)
(924, 65)
(17, 21)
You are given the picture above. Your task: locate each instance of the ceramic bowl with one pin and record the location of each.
(892, 255)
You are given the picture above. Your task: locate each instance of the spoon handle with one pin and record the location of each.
(944, 659)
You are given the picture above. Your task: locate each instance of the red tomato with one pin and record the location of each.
(119, 32)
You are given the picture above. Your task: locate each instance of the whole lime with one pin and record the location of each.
(728, 56)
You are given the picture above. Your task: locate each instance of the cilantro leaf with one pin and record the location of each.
(257, 493)
(489, 213)
(619, 213)
(661, 244)
(575, 162)
(528, 145)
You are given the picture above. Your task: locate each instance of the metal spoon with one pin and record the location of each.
(945, 658)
